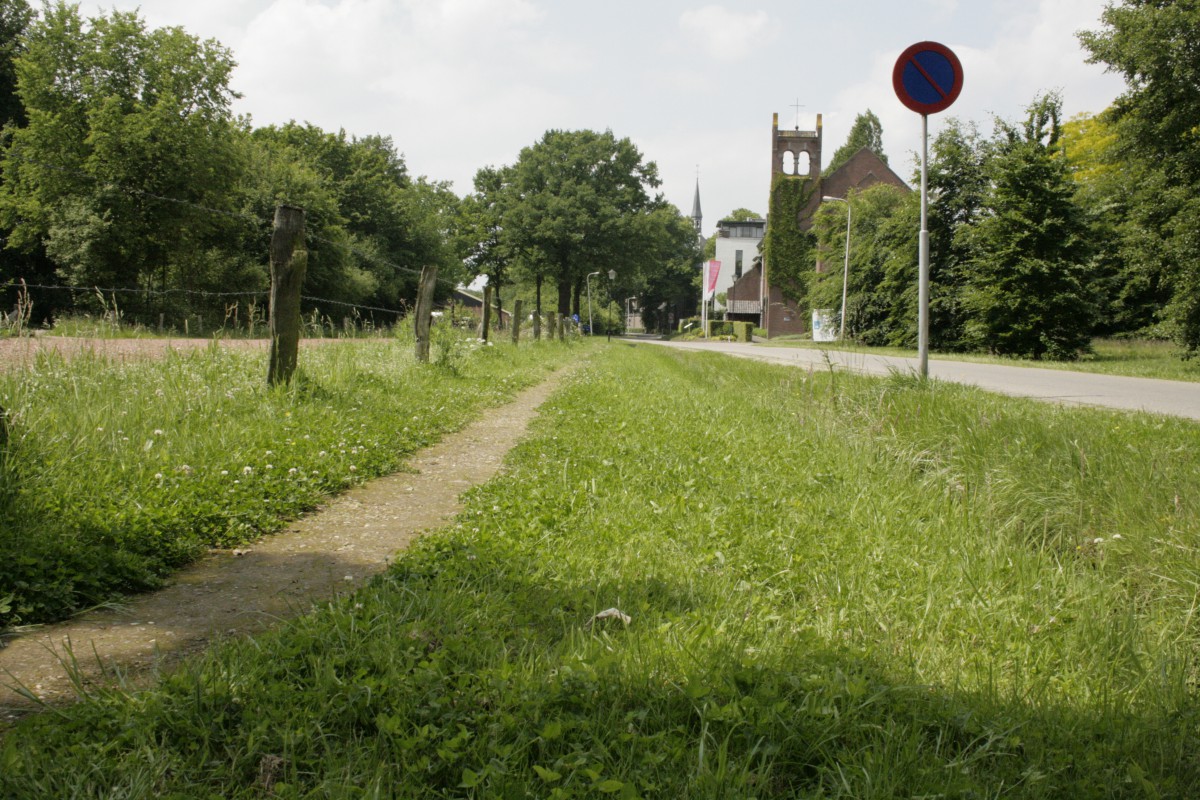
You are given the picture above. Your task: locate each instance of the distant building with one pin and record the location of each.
(737, 248)
(796, 155)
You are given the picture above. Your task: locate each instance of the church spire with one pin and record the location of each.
(696, 215)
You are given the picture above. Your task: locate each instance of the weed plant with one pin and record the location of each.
(822, 586)
(116, 473)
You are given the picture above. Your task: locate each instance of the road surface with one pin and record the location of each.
(1173, 398)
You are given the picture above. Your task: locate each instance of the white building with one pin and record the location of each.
(737, 247)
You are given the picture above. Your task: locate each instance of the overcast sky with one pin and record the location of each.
(460, 84)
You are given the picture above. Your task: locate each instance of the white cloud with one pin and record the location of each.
(726, 35)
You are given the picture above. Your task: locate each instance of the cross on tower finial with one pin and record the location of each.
(797, 105)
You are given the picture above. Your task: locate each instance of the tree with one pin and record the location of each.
(871, 303)
(119, 118)
(1153, 45)
(867, 132)
(957, 183)
(372, 226)
(15, 18)
(571, 207)
(1025, 294)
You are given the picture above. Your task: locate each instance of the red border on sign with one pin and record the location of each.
(898, 78)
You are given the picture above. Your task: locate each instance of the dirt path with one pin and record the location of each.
(243, 591)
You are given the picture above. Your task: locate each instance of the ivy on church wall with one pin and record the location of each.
(787, 250)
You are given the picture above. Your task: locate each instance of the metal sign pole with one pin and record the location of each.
(923, 265)
(928, 78)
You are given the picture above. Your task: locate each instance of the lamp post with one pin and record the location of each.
(846, 267)
(591, 329)
(612, 276)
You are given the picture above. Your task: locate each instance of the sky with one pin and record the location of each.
(463, 84)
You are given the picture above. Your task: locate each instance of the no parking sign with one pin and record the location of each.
(928, 77)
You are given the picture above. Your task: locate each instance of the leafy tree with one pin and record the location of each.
(664, 275)
(15, 17)
(119, 117)
(867, 131)
(572, 203)
(870, 306)
(1132, 288)
(371, 227)
(957, 185)
(1153, 45)
(1025, 294)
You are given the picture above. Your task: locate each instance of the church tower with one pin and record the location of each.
(796, 153)
(697, 217)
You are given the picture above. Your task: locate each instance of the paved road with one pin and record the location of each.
(1174, 398)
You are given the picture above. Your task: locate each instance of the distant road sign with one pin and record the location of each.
(928, 77)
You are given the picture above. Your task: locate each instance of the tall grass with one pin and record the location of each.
(835, 587)
(116, 473)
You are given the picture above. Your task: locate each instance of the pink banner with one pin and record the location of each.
(710, 284)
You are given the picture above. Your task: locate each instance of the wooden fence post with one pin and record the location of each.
(516, 320)
(562, 327)
(289, 261)
(537, 325)
(424, 312)
(486, 323)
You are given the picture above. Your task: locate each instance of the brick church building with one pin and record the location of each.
(796, 154)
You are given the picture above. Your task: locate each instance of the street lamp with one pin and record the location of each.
(612, 276)
(591, 329)
(846, 268)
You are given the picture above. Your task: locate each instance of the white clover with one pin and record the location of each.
(159, 432)
(247, 470)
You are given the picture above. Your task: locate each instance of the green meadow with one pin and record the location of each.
(116, 473)
(701, 577)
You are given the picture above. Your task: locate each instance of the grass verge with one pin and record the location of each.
(116, 473)
(834, 587)
(1129, 357)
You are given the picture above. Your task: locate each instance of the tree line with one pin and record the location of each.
(124, 168)
(1047, 232)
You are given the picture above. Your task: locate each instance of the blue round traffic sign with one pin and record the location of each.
(928, 77)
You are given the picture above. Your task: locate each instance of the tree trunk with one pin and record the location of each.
(564, 296)
(289, 262)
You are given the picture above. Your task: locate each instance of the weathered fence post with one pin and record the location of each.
(486, 323)
(289, 261)
(516, 320)
(424, 312)
(562, 327)
(537, 325)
